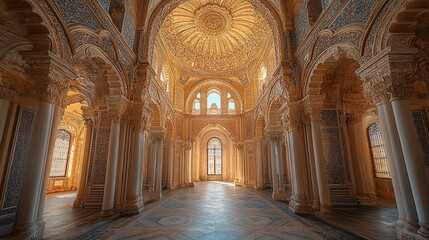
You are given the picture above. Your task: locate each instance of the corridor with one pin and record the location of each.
(215, 210)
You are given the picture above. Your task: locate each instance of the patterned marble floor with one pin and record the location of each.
(216, 210)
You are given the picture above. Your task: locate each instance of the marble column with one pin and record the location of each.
(187, 162)
(239, 169)
(159, 169)
(300, 200)
(274, 175)
(392, 159)
(134, 196)
(170, 163)
(34, 172)
(322, 179)
(280, 169)
(413, 161)
(55, 122)
(154, 148)
(259, 176)
(78, 202)
(112, 162)
(313, 174)
(361, 153)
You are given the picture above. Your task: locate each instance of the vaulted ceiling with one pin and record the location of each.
(208, 37)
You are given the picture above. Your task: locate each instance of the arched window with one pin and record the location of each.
(165, 78)
(263, 73)
(214, 157)
(378, 152)
(61, 154)
(231, 104)
(196, 107)
(117, 12)
(213, 102)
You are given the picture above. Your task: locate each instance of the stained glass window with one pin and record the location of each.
(61, 154)
(378, 152)
(214, 157)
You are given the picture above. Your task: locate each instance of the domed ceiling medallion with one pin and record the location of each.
(213, 20)
(214, 36)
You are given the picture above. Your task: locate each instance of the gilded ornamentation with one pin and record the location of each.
(214, 35)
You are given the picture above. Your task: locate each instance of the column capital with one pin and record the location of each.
(50, 77)
(275, 136)
(140, 116)
(117, 107)
(286, 75)
(390, 75)
(157, 137)
(143, 74)
(291, 116)
(313, 106)
(240, 146)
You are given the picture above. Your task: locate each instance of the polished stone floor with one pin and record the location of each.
(216, 210)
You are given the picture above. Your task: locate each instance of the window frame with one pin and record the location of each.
(371, 150)
(68, 155)
(214, 160)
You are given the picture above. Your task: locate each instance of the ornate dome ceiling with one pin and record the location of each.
(215, 35)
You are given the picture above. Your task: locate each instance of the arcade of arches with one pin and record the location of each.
(323, 103)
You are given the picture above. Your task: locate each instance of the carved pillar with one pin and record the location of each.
(140, 119)
(78, 202)
(155, 190)
(275, 139)
(112, 162)
(259, 168)
(50, 83)
(389, 82)
(240, 164)
(314, 107)
(360, 156)
(312, 163)
(300, 200)
(170, 163)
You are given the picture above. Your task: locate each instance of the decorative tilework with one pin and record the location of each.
(420, 122)
(332, 147)
(302, 26)
(129, 24)
(74, 13)
(325, 4)
(105, 4)
(355, 12)
(15, 178)
(100, 160)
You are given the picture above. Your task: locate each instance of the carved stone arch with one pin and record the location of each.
(165, 7)
(156, 120)
(313, 78)
(88, 56)
(397, 27)
(273, 116)
(38, 20)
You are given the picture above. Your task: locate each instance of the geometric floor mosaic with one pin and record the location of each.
(218, 210)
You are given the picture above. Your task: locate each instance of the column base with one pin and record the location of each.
(423, 230)
(78, 202)
(316, 206)
(31, 231)
(135, 206)
(189, 184)
(403, 233)
(155, 196)
(300, 208)
(279, 196)
(106, 213)
(325, 209)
